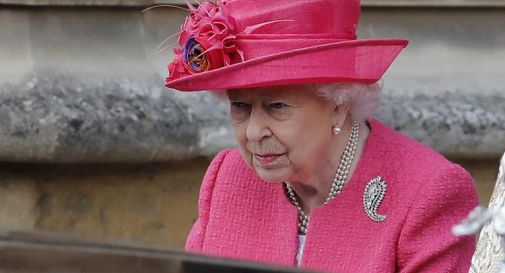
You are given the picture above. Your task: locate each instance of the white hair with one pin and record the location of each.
(361, 98)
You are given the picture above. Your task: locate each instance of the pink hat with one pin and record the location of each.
(252, 43)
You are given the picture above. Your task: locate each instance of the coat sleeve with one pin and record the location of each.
(426, 243)
(196, 237)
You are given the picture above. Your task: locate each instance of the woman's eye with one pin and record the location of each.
(278, 105)
(239, 104)
(239, 111)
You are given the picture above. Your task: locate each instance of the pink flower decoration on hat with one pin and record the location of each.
(207, 40)
(176, 68)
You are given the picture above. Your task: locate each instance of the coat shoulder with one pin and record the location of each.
(417, 167)
(406, 153)
(233, 162)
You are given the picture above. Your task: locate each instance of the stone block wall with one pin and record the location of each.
(153, 203)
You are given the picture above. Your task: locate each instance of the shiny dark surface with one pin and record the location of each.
(37, 252)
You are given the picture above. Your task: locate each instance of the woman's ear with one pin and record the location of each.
(340, 113)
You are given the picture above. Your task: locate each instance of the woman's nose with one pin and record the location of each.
(257, 127)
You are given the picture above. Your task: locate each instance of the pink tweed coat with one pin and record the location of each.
(244, 217)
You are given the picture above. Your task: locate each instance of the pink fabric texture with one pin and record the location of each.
(244, 217)
(252, 43)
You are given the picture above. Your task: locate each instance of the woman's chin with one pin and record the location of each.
(272, 175)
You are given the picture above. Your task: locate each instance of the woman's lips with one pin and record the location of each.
(267, 159)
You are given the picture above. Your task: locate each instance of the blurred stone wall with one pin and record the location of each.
(93, 144)
(153, 203)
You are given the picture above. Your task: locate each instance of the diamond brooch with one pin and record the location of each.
(372, 198)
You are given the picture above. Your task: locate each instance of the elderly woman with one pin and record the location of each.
(316, 181)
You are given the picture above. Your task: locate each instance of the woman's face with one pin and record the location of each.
(283, 132)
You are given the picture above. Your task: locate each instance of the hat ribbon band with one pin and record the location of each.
(256, 46)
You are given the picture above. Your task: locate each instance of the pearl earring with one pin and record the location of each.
(336, 130)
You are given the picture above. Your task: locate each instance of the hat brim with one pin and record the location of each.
(363, 61)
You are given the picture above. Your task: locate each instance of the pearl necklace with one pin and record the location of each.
(338, 182)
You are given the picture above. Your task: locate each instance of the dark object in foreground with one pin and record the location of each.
(38, 252)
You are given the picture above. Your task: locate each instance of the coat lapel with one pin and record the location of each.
(250, 218)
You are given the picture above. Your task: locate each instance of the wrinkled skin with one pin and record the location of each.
(285, 134)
